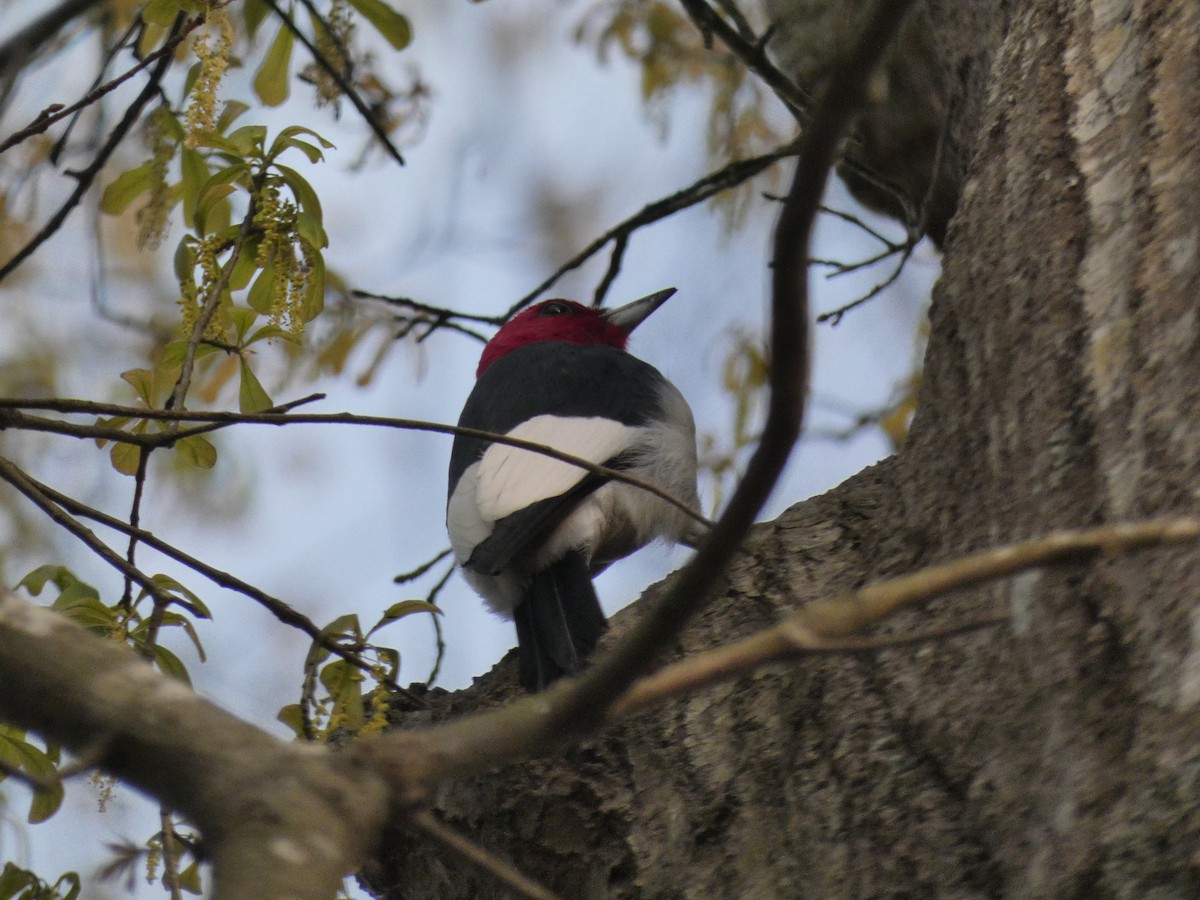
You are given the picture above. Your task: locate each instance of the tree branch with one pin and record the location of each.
(11, 417)
(279, 819)
(468, 851)
(829, 626)
(57, 505)
(85, 177)
(57, 112)
(20, 47)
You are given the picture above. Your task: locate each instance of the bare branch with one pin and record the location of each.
(466, 850)
(829, 626)
(708, 186)
(753, 54)
(248, 793)
(85, 177)
(23, 45)
(57, 112)
(11, 417)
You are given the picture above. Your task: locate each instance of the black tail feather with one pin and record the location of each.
(559, 623)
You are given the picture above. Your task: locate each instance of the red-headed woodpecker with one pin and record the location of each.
(529, 530)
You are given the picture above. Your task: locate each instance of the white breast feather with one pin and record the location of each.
(512, 478)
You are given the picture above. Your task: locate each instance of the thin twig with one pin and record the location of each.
(85, 177)
(33, 491)
(13, 418)
(463, 848)
(753, 55)
(414, 574)
(835, 316)
(25, 43)
(789, 640)
(830, 626)
(439, 638)
(439, 312)
(56, 112)
(343, 85)
(54, 503)
(620, 243)
(171, 854)
(710, 185)
(135, 512)
(178, 399)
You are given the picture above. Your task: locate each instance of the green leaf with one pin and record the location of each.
(212, 197)
(246, 265)
(74, 593)
(242, 318)
(214, 141)
(126, 188)
(253, 13)
(16, 751)
(252, 397)
(169, 664)
(314, 292)
(173, 353)
(161, 12)
(195, 176)
(344, 626)
(293, 130)
(390, 658)
(271, 82)
(125, 458)
(248, 139)
(402, 609)
(87, 612)
(312, 151)
(309, 228)
(36, 580)
(141, 380)
(305, 196)
(268, 332)
(117, 422)
(288, 138)
(292, 717)
(344, 685)
(197, 451)
(261, 296)
(386, 20)
(189, 879)
(171, 619)
(232, 110)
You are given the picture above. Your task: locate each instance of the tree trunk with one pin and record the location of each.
(1054, 757)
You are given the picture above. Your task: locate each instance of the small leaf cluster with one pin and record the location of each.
(21, 884)
(344, 705)
(129, 622)
(746, 372)
(670, 53)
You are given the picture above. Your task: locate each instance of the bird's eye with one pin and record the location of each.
(554, 308)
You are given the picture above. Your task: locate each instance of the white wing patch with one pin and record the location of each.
(511, 478)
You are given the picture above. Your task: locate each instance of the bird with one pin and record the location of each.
(530, 531)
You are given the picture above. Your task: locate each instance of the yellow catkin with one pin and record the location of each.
(331, 41)
(213, 52)
(152, 217)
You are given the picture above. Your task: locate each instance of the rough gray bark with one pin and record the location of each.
(1054, 758)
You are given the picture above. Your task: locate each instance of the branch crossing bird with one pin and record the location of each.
(531, 531)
